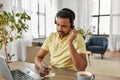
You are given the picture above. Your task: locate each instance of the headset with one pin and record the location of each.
(66, 13)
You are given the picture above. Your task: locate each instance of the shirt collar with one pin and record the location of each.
(66, 37)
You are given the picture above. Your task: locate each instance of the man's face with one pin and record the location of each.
(63, 26)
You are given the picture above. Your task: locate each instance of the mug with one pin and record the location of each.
(85, 75)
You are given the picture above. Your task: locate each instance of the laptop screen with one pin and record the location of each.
(4, 69)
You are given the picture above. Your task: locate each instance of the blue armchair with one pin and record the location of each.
(97, 44)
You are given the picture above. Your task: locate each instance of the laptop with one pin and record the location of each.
(17, 74)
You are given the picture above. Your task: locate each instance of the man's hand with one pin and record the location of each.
(73, 35)
(43, 69)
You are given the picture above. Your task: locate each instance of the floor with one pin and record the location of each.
(107, 66)
(115, 54)
(110, 64)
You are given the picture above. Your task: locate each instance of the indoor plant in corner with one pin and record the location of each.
(83, 32)
(12, 26)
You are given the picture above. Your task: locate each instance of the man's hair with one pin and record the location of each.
(66, 13)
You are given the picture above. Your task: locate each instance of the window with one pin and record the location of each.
(101, 17)
(37, 10)
(38, 17)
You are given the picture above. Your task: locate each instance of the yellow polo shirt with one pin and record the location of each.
(58, 48)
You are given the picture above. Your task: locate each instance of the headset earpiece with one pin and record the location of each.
(55, 20)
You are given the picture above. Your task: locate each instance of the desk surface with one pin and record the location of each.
(60, 74)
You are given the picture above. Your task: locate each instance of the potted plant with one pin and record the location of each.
(12, 26)
(84, 33)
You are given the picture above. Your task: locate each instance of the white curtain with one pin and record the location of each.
(18, 47)
(51, 10)
(84, 11)
(114, 42)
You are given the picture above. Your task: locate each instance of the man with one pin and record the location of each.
(66, 46)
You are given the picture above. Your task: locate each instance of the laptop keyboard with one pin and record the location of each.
(19, 75)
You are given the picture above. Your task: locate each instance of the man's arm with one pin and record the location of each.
(79, 60)
(38, 62)
(40, 56)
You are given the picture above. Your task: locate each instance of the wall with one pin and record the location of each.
(6, 4)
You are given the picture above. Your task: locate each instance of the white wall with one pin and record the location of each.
(6, 4)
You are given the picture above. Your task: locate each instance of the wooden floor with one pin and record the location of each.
(114, 54)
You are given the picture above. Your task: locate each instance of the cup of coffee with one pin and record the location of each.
(85, 75)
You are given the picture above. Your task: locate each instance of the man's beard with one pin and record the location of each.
(62, 34)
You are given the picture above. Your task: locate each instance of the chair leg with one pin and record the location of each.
(102, 56)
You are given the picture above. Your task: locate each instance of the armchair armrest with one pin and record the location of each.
(105, 46)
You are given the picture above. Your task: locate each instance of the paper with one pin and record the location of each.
(50, 75)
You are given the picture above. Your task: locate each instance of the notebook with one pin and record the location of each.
(18, 74)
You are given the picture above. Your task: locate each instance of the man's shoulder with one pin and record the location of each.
(52, 35)
(79, 35)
